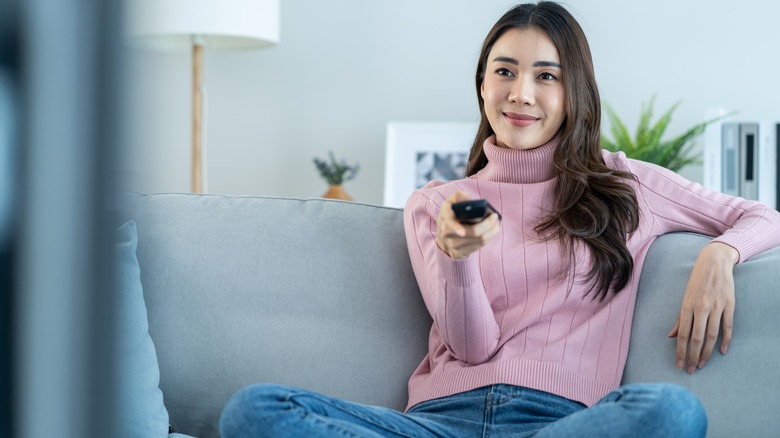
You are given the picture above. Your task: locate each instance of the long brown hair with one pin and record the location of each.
(593, 203)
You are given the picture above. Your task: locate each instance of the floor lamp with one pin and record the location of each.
(196, 24)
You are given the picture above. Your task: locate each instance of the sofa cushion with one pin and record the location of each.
(141, 410)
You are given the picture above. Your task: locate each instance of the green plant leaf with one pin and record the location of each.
(643, 128)
(660, 126)
(622, 137)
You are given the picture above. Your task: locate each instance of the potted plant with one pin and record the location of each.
(647, 145)
(335, 173)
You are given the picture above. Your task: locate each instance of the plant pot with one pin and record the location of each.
(337, 191)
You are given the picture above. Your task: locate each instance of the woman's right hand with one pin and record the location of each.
(459, 240)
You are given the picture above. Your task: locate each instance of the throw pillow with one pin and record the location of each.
(141, 410)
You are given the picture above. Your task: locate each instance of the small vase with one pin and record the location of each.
(336, 191)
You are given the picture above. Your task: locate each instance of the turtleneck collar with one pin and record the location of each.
(518, 166)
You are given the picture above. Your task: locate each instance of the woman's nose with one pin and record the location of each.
(522, 92)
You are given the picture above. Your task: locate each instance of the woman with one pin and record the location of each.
(532, 314)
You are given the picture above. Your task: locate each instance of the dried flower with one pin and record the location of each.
(336, 172)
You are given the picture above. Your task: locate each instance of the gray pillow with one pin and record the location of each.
(141, 410)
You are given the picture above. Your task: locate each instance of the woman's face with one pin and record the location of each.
(523, 89)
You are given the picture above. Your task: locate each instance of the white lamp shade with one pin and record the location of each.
(212, 23)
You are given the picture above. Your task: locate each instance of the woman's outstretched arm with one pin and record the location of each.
(441, 251)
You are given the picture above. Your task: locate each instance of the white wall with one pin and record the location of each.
(344, 68)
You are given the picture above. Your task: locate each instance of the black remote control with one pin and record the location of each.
(474, 211)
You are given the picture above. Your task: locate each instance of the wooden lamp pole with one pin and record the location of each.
(197, 118)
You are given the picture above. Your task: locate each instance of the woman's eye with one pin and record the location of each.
(504, 72)
(546, 76)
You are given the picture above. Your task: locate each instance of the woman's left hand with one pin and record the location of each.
(708, 303)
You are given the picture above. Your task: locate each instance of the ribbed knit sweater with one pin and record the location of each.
(503, 314)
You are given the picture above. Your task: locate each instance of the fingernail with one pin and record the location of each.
(691, 370)
(702, 363)
(680, 364)
(725, 349)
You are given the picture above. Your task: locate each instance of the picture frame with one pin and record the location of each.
(419, 152)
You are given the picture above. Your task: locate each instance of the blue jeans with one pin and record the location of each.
(644, 410)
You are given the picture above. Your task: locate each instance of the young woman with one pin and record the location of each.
(532, 313)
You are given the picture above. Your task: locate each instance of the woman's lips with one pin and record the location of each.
(520, 119)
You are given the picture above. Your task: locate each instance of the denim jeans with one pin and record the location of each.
(640, 410)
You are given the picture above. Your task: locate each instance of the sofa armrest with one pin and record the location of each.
(739, 389)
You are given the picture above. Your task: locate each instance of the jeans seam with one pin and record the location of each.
(331, 425)
(487, 419)
(357, 414)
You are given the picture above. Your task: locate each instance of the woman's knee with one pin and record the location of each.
(254, 409)
(672, 407)
(260, 397)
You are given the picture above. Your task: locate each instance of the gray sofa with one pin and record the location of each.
(320, 294)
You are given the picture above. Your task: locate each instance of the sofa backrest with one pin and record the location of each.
(316, 293)
(320, 294)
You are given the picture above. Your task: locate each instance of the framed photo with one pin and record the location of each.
(419, 152)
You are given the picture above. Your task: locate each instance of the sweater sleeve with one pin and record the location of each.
(452, 289)
(677, 204)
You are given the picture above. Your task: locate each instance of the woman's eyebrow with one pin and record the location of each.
(546, 64)
(506, 59)
(513, 61)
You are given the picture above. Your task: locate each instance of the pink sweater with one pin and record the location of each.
(502, 316)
